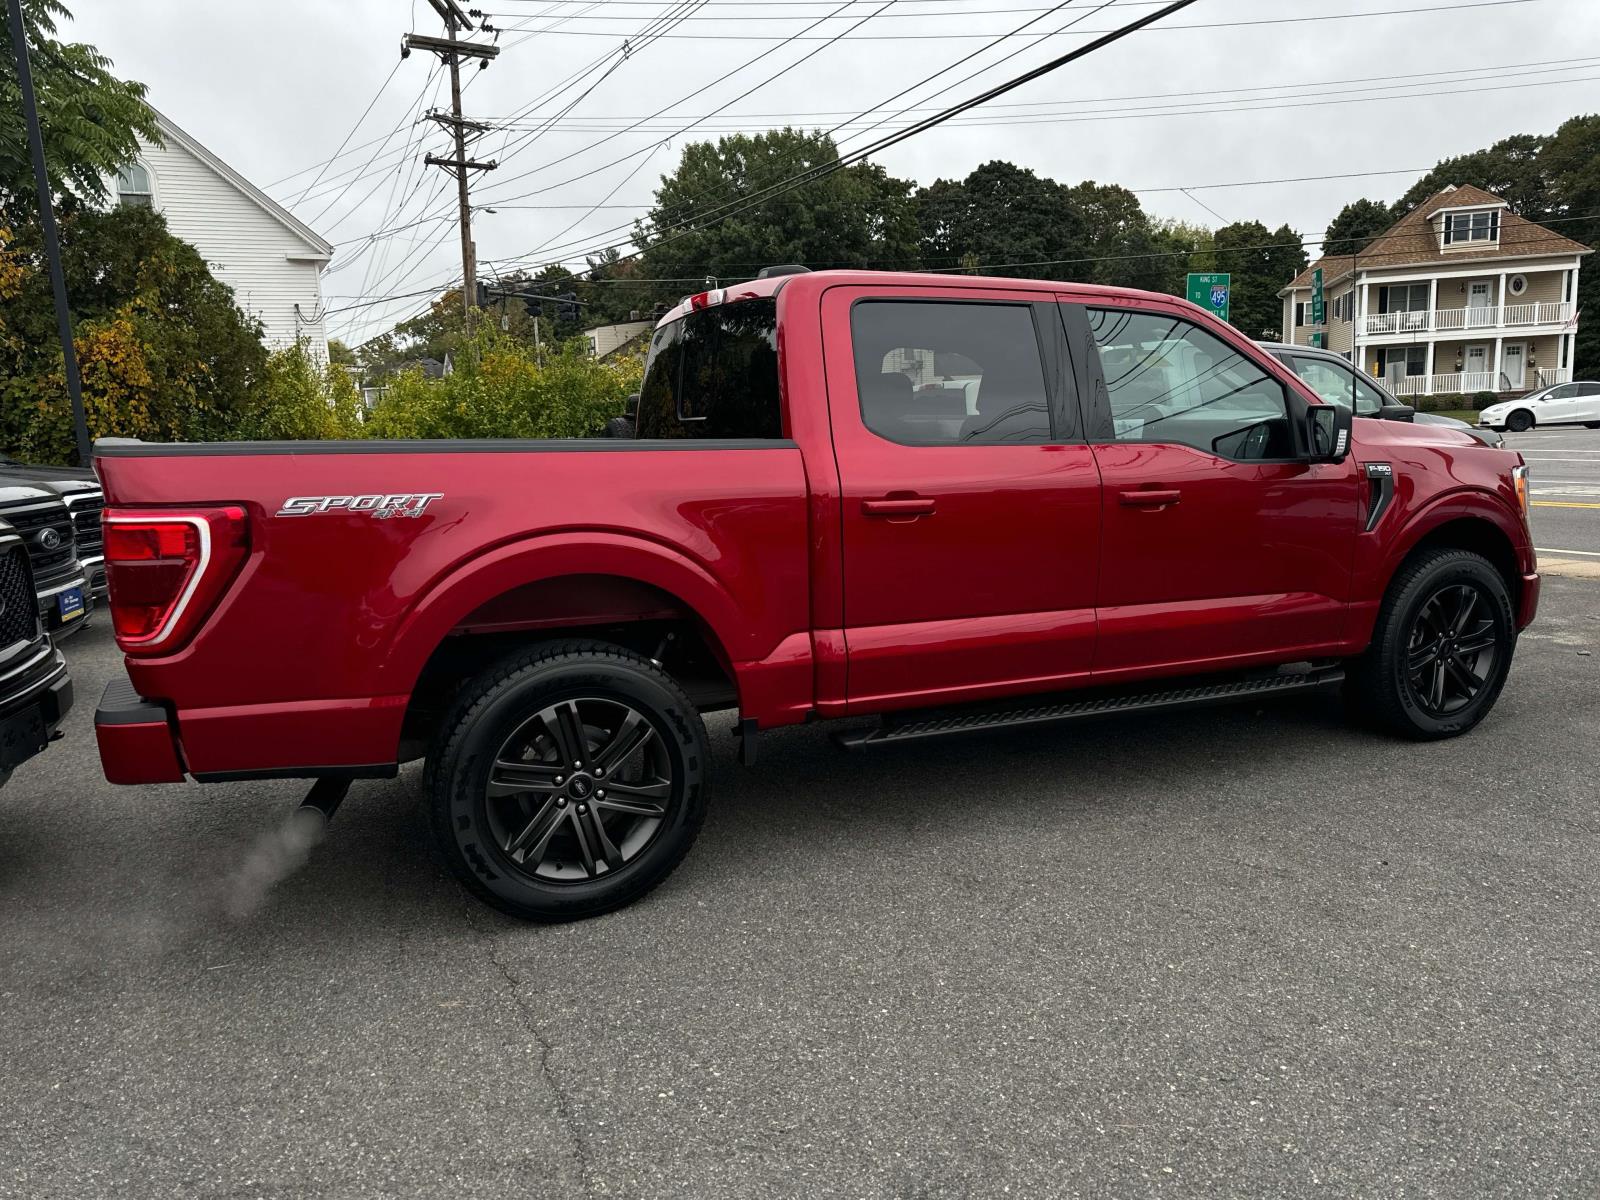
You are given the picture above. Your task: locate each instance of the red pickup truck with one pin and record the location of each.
(946, 504)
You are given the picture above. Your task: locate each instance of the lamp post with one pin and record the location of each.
(47, 224)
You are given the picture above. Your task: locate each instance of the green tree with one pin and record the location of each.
(1260, 261)
(999, 215)
(854, 217)
(1571, 163)
(1510, 169)
(1127, 246)
(173, 357)
(339, 354)
(90, 119)
(1356, 225)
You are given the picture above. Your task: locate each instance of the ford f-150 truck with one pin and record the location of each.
(938, 504)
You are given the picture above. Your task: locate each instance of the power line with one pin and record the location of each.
(382, 87)
(899, 37)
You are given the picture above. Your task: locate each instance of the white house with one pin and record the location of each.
(605, 340)
(270, 259)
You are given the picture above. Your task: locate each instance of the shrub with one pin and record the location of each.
(499, 389)
(299, 399)
(1481, 400)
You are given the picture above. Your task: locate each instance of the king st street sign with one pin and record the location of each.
(1210, 291)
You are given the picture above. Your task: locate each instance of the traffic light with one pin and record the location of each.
(567, 309)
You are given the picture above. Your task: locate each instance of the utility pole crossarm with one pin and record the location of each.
(449, 48)
(471, 164)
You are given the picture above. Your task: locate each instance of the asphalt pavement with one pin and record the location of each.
(1226, 953)
(1564, 467)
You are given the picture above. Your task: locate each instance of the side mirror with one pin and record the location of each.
(630, 407)
(1327, 433)
(1397, 412)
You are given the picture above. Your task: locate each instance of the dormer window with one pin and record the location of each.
(1463, 227)
(133, 187)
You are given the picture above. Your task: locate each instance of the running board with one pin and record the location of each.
(916, 726)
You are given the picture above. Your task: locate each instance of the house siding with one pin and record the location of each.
(245, 248)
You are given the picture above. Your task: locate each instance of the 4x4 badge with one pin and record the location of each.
(382, 506)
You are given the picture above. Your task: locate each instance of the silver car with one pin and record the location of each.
(1333, 378)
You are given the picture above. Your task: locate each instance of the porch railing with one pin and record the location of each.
(1468, 382)
(1509, 316)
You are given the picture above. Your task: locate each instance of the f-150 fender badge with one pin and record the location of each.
(382, 506)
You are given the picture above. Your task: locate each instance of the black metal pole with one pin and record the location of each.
(47, 223)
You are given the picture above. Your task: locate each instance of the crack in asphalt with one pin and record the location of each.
(564, 1111)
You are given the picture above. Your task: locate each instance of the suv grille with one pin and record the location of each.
(32, 521)
(86, 524)
(19, 617)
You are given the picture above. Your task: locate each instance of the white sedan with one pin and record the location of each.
(1561, 404)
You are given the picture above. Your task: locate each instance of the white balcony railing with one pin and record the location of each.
(1468, 382)
(1446, 320)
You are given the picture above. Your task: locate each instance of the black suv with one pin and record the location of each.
(40, 517)
(35, 689)
(79, 488)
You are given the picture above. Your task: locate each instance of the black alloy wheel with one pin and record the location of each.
(1452, 651)
(1520, 421)
(578, 790)
(568, 780)
(1441, 647)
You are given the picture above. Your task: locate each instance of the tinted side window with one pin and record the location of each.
(1565, 392)
(1332, 381)
(714, 374)
(1170, 381)
(936, 372)
(1589, 389)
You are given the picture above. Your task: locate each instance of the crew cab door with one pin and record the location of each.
(970, 504)
(1221, 546)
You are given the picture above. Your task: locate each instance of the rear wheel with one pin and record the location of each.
(1520, 421)
(1441, 648)
(568, 781)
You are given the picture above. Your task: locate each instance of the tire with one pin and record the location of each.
(1520, 421)
(1591, 424)
(619, 427)
(1421, 611)
(528, 825)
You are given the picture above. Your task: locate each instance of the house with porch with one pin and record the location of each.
(1461, 295)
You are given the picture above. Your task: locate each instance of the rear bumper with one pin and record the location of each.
(141, 742)
(135, 739)
(1529, 607)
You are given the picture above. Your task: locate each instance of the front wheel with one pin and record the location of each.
(568, 780)
(1520, 421)
(1441, 649)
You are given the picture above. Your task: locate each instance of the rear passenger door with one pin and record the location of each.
(971, 530)
(1221, 546)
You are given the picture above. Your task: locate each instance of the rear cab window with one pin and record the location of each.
(713, 373)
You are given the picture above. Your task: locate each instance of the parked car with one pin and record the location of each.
(1334, 379)
(1561, 404)
(42, 519)
(79, 488)
(35, 689)
(948, 504)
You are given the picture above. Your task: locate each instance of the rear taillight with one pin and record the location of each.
(166, 570)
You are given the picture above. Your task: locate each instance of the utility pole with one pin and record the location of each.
(451, 50)
(47, 224)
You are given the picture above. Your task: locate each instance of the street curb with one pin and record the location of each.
(1569, 568)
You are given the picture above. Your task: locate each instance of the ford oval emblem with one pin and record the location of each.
(49, 539)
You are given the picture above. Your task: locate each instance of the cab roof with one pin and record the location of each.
(755, 289)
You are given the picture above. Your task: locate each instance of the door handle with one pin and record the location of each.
(908, 506)
(1150, 497)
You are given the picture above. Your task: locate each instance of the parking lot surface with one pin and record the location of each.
(1234, 952)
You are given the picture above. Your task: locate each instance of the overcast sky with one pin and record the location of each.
(274, 88)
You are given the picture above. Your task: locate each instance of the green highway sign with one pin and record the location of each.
(1210, 291)
(1317, 315)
